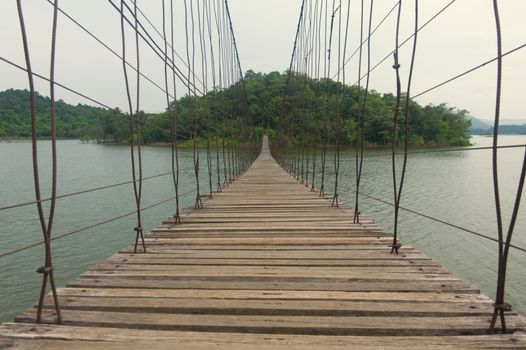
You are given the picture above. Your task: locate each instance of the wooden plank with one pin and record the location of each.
(22, 336)
(409, 269)
(264, 324)
(282, 273)
(272, 283)
(289, 307)
(415, 297)
(301, 254)
(166, 259)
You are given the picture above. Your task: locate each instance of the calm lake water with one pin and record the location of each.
(454, 186)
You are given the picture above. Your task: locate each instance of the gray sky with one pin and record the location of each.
(461, 38)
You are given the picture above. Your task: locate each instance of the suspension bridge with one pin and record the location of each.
(266, 256)
(266, 264)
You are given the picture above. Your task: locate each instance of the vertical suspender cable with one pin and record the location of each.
(220, 127)
(344, 58)
(396, 245)
(201, 18)
(361, 137)
(192, 96)
(338, 113)
(285, 119)
(325, 125)
(214, 84)
(318, 93)
(398, 192)
(174, 144)
(134, 126)
(47, 270)
(500, 306)
(171, 114)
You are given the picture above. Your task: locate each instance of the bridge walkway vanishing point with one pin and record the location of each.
(267, 264)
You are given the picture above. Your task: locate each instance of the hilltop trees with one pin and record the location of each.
(315, 102)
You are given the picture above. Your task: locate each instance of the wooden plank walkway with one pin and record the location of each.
(267, 265)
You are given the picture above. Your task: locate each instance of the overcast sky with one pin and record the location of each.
(461, 38)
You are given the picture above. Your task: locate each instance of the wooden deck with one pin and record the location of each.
(267, 265)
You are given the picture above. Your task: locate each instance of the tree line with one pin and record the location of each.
(222, 112)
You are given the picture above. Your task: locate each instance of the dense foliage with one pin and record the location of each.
(432, 124)
(318, 103)
(72, 121)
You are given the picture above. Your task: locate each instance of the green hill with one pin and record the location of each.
(72, 121)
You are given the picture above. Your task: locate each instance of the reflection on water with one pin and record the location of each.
(454, 186)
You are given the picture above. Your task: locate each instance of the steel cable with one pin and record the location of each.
(20, 205)
(478, 234)
(71, 233)
(429, 21)
(391, 11)
(500, 306)
(76, 92)
(398, 188)
(46, 225)
(361, 137)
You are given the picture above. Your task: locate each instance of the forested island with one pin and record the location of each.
(429, 125)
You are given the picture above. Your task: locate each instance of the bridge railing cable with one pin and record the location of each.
(441, 221)
(446, 150)
(77, 193)
(471, 70)
(89, 227)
